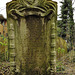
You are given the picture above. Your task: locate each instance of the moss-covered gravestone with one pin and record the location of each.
(32, 34)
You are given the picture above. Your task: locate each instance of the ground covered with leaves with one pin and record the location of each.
(65, 65)
(4, 68)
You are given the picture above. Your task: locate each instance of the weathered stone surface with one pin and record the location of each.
(31, 48)
(33, 30)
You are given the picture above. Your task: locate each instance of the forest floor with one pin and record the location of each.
(4, 68)
(65, 66)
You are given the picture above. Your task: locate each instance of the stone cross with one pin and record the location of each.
(32, 36)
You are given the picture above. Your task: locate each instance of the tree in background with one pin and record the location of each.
(67, 23)
(64, 13)
(70, 13)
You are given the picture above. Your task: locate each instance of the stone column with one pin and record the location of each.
(32, 37)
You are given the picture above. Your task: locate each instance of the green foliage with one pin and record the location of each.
(1, 43)
(58, 50)
(59, 31)
(62, 50)
(3, 48)
(60, 66)
(2, 57)
(61, 47)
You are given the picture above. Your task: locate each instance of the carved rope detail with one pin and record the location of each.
(12, 48)
(53, 46)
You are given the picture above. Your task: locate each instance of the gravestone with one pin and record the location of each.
(31, 36)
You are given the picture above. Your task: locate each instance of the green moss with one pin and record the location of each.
(61, 47)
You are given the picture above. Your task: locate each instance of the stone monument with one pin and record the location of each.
(31, 36)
